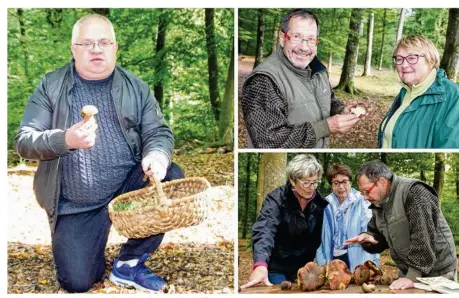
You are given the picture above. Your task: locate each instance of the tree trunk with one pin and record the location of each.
(450, 59)
(367, 69)
(346, 81)
(246, 198)
(277, 22)
(212, 62)
(260, 182)
(160, 55)
(383, 157)
(360, 34)
(273, 173)
(439, 175)
(260, 36)
(381, 54)
(400, 24)
(226, 118)
(325, 167)
(422, 176)
(102, 11)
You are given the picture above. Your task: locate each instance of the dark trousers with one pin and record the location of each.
(79, 240)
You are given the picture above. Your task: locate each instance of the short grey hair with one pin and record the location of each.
(76, 27)
(373, 170)
(303, 165)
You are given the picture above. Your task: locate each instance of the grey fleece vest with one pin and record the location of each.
(392, 222)
(308, 96)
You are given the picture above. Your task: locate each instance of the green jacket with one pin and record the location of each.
(430, 121)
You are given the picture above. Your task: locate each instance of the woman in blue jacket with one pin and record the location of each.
(346, 215)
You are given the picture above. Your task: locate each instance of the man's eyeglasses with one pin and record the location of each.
(365, 193)
(338, 183)
(89, 45)
(308, 183)
(298, 39)
(411, 59)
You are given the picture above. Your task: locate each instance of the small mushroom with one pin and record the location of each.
(285, 285)
(358, 110)
(87, 112)
(368, 288)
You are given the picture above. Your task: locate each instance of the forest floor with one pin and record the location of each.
(377, 91)
(197, 259)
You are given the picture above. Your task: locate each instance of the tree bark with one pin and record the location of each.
(226, 124)
(439, 175)
(273, 173)
(246, 198)
(260, 36)
(381, 54)
(160, 55)
(212, 62)
(260, 182)
(422, 176)
(450, 59)
(367, 69)
(400, 24)
(346, 81)
(277, 22)
(383, 157)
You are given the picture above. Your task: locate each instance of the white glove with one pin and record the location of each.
(155, 162)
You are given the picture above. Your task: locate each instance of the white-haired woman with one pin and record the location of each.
(288, 229)
(425, 114)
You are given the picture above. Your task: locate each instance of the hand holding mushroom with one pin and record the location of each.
(82, 135)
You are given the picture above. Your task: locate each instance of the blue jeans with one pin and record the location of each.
(79, 241)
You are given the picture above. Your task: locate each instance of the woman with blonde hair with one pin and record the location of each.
(425, 114)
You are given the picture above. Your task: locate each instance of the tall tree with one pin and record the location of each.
(246, 198)
(260, 183)
(346, 81)
(401, 20)
(381, 53)
(273, 173)
(260, 37)
(439, 175)
(367, 69)
(226, 123)
(450, 59)
(212, 61)
(160, 56)
(277, 22)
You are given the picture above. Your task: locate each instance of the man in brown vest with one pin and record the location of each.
(408, 220)
(287, 101)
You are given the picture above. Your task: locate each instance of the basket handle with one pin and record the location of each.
(154, 180)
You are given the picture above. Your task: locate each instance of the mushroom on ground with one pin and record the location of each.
(311, 277)
(368, 288)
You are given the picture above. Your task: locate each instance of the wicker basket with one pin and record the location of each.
(170, 205)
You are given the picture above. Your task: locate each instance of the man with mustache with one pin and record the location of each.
(287, 101)
(84, 165)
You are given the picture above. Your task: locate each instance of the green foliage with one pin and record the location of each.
(39, 42)
(334, 29)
